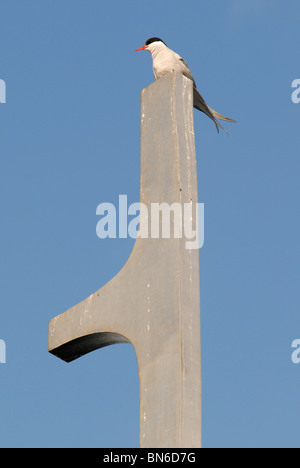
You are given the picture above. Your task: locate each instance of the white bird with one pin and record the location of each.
(166, 60)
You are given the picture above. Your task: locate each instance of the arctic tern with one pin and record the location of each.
(166, 60)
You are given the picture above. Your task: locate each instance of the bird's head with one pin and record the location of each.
(152, 44)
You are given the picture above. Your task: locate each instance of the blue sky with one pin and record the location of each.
(70, 139)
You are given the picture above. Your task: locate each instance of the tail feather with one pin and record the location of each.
(220, 116)
(201, 105)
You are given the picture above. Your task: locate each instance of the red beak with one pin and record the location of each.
(141, 48)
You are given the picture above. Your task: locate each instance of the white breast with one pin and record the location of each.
(165, 60)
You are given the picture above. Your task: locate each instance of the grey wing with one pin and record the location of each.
(183, 61)
(201, 105)
(186, 71)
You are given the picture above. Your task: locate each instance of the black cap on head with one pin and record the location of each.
(154, 39)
